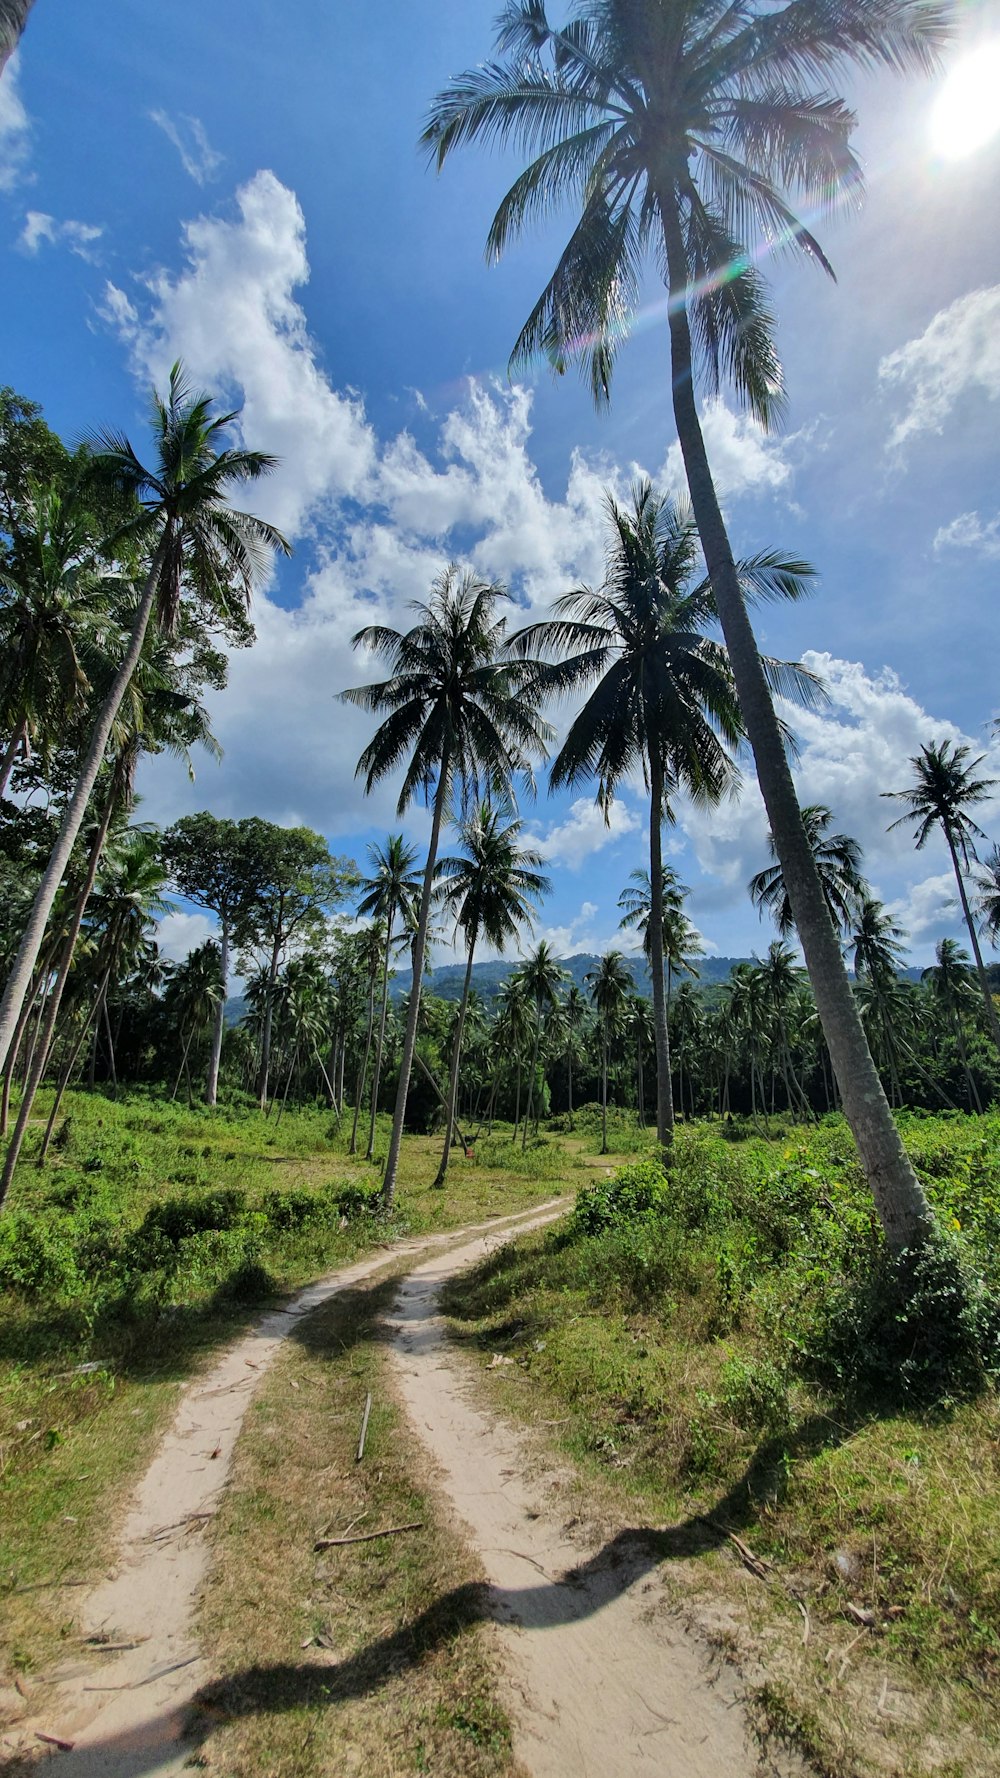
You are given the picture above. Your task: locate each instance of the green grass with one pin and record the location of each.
(151, 1238)
(690, 1353)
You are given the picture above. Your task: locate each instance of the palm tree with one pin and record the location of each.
(513, 1030)
(680, 128)
(466, 724)
(541, 977)
(371, 952)
(950, 981)
(664, 700)
(193, 997)
(52, 606)
(610, 986)
(13, 18)
(838, 866)
(489, 890)
(681, 941)
(988, 896)
(575, 1018)
(389, 893)
(944, 792)
(195, 541)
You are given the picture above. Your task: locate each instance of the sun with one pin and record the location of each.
(967, 112)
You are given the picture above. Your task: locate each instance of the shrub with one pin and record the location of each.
(36, 1254)
(176, 1219)
(633, 1192)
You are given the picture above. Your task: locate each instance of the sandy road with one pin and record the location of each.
(604, 1683)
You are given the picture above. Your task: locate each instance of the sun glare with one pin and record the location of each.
(967, 112)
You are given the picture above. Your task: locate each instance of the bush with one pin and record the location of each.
(923, 1324)
(36, 1254)
(634, 1192)
(176, 1219)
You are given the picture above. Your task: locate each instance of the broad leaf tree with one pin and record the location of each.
(686, 132)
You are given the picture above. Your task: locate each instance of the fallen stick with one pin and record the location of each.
(329, 1543)
(364, 1427)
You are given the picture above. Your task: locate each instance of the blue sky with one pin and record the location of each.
(239, 185)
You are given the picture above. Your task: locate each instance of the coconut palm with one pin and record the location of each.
(13, 18)
(663, 699)
(988, 896)
(575, 1015)
(541, 977)
(945, 789)
(685, 130)
(514, 1031)
(610, 986)
(192, 998)
(390, 893)
(950, 981)
(489, 888)
(681, 941)
(194, 542)
(838, 866)
(462, 720)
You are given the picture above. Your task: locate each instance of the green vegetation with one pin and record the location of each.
(730, 1349)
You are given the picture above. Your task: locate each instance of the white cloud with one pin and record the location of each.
(179, 933)
(969, 531)
(959, 350)
(585, 831)
(15, 129)
(40, 228)
(745, 459)
(198, 158)
(929, 909)
(232, 316)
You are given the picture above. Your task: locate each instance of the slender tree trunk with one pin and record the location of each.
(988, 1001)
(517, 1101)
(219, 1024)
(10, 751)
(363, 1070)
(265, 1036)
(111, 1050)
(456, 1062)
(534, 1070)
(380, 1046)
(604, 1091)
(63, 1083)
(19, 979)
(899, 1197)
(569, 1082)
(413, 1011)
(183, 1066)
(661, 1033)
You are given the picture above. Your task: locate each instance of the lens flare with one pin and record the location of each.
(967, 113)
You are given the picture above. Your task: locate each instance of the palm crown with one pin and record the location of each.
(490, 888)
(710, 112)
(838, 862)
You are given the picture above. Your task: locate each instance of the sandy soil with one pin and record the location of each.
(606, 1682)
(126, 1715)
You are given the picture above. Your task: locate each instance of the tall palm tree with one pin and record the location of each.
(390, 893)
(575, 1015)
(542, 977)
(838, 866)
(489, 888)
(663, 698)
(610, 986)
(514, 1030)
(13, 18)
(464, 722)
(681, 941)
(988, 896)
(685, 130)
(192, 998)
(195, 541)
(945, 789)
(950, 981)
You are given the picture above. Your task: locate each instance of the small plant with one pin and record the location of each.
(634, 1192)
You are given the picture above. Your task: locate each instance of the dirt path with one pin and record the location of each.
(607, 1684)
(125, 1717)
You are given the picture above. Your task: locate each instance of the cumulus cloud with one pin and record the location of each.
(745, 459)
(180, 933)
(958, 351)
(199, 159)
(585, 831)
(969, 531)
(232, 315)
(41, 229)
(929, 908)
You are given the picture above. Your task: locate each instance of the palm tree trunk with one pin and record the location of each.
(456, 1060)
(10, 752)
(604, 1090)
(661, 1034)
(19, 979)
(363, 1070)
(534, 1070)
(988, 1001)
(899, 1198)
(13, 18)
(219, 1025)
(569, 1082)
(64, 1080)
(265, 1036)
(380, 1046)
(413, 1011)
